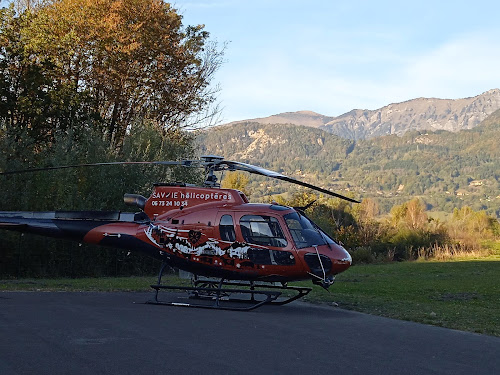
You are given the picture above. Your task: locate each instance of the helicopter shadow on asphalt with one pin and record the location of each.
(296, 308)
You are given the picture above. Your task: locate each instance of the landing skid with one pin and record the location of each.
(209, 294)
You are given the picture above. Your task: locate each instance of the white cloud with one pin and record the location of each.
(273, 83)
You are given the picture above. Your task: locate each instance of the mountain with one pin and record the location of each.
(446, 169)
(398, 118)
(305, 118)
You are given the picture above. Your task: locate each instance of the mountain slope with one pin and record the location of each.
(306, 118)
(446, 169)
(278, 146)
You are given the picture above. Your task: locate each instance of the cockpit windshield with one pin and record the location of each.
(304, 232)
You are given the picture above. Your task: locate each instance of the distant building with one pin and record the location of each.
(476, 183)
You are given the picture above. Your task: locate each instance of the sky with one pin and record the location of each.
(332, 56)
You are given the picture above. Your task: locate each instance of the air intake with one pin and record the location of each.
(135, 200)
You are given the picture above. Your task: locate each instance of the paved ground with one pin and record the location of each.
(107, 333)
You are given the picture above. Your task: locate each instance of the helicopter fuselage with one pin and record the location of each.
(207, 231)
(217, 232)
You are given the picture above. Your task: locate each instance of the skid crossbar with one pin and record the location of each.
(214, 296)
(219, 296)
(300, 290)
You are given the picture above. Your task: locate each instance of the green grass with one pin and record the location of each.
(463, 295)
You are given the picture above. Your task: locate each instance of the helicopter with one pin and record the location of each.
(236, 251)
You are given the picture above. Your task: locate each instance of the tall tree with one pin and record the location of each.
(94, 81)
(236, 180)
(132, 58)
(415, 214)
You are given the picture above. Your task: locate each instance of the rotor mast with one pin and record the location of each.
(210, 162)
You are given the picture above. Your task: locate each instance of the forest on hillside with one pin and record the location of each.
(445, 170)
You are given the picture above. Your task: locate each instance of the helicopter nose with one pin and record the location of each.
(340, 258)
(327, 260)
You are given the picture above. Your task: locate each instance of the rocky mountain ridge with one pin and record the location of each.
(397, 118)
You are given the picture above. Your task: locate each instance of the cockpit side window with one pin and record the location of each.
(304, 232)
(262, 230)
(226, 228)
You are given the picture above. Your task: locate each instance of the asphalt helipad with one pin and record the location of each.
(115, 333)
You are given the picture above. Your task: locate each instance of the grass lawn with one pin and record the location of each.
(463, 295)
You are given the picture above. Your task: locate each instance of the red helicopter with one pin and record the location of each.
(213, 233)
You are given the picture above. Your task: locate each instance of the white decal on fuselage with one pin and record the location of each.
(178, 241)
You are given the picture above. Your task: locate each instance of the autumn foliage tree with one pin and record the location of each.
(85, 81)
(115, 60)
(410, 214)
(236, 180)
(469, 227)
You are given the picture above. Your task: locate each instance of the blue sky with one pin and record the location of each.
(334, 56)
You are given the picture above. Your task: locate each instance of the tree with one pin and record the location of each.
(236, 180)
(469, 226)
(86, 189)
(34, 106)
(416, 218)
(410, 214)
(131, 59)
(94, 81)
(368, 210)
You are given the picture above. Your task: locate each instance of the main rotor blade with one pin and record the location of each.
(183, 162)
(234, 165)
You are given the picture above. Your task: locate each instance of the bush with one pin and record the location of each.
(362, 255)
